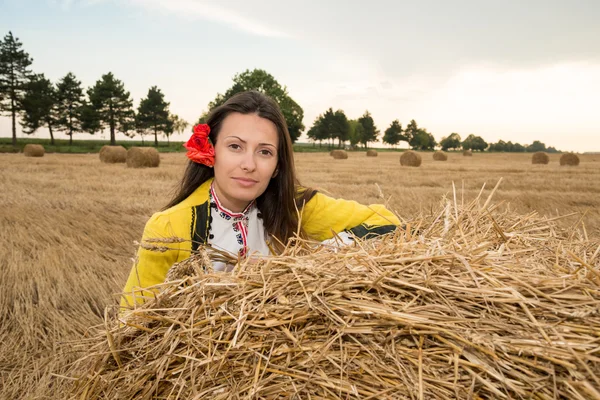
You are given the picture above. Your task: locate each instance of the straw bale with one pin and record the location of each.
(467, 153)
(371, 153)
(440, 156)
(540, 157)
(469, 302)
(141, 157)
(34, 150)
(410, 159)
(113, 154)
(569, 159)
(339, 154)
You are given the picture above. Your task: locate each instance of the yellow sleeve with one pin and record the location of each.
(324, 215)
(151, 266)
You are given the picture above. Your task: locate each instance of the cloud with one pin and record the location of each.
(194, 9)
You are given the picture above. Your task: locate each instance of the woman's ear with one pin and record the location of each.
(275, 173)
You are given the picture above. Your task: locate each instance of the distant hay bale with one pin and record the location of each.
(339, 154)
(371, 153)
(113, 154)
(142, 157)
(467, 153)
(34, 150)
(569, 159)
(440, 156)
(410, 159)
(540, 157)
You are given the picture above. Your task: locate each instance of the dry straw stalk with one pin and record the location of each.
(471, 302)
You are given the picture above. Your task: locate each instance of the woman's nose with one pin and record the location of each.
(248, 163)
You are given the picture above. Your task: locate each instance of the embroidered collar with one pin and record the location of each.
(226, 213)
(239, 221)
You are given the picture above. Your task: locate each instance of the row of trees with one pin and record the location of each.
(335, 125)
(477, 143)
(511, 147)
(65, 107)
(332, 125)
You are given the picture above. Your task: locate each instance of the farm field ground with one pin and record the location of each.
(68, 225)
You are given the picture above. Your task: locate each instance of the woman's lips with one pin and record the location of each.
(245, 182)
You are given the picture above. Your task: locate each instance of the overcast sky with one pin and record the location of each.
(511, 70)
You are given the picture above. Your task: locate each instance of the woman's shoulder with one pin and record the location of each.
(198, 197)
(178, 217)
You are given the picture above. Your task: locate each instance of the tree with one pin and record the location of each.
(334, 125)
(422, 140)
(500, 146)
(355, 133)
(264, 82)
(179, 124)
(519, 148)
(451, 142)
(340, 127)
(314, 133)
(69, 103)
(39, 105)
(14, 76)
(112, 106)
(370, 130)
(536, 146)
(153, 114)
(473, 142)
(393, 134)
(90, 119)
(320, 131)
(411, 130)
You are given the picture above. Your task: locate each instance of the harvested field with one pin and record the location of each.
(72, 222)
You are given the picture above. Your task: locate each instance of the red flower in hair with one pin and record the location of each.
(200, 149)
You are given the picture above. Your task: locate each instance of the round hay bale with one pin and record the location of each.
(371, 153)
(440, 156)
(141, 157)
(540, 157)
(339, 154)
(569, 159)
(113, 154)
(468, 153)
(34, 150)
(410, 159)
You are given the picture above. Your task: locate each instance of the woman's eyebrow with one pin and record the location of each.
(243, 141)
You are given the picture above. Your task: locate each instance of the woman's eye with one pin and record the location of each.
(265, 152)
(234, 146)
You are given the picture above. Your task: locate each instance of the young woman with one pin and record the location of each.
(240, 194)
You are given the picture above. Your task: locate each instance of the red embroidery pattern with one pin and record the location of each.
(239, 220)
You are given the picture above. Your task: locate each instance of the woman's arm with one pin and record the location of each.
(323, 216)
(151, 265)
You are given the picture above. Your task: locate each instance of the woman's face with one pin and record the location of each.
(245, 159)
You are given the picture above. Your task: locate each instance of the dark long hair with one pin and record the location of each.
(282, 199)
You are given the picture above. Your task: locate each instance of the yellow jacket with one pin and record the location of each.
(320, 218)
